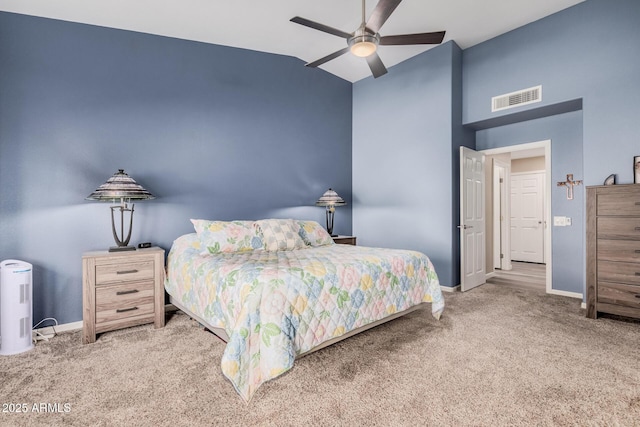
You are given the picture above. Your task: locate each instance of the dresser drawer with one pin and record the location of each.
(121, 301)
(124, 272)
(619, 272)
(618, 204)
(618, 228)
(619, 294)
(619, 250)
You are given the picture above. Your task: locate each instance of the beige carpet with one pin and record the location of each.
(497, 357)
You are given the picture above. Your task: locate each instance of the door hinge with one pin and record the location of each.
(501, 256)
(501, 180)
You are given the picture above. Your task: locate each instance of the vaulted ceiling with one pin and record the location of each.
(264, 25)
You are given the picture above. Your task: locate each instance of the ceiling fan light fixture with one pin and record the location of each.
(363, 49)
(363, 45)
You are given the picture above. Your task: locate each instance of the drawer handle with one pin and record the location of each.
(637, 203)
(637, 251)
(637, 273)
(637, 228)
(637, 295)
(135, 271)
(133, 291)
(124, 310)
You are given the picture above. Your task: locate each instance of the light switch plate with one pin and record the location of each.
(561, 221)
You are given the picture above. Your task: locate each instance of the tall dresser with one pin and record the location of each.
(613, 250)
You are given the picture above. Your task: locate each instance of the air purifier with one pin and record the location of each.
(16, 308)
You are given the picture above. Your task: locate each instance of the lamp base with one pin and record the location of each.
(121, 248)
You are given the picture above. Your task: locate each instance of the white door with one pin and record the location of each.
(527, 217)
(472, 219)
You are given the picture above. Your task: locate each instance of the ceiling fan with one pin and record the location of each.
(364, 41)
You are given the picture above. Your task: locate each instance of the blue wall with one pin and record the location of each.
(406, 130)
(565, 133)
(585, 59)
(213, 132)
(226, 133)
(586, 53)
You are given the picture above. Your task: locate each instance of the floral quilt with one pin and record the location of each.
(275, 305)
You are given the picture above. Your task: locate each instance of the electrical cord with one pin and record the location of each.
(40, 335)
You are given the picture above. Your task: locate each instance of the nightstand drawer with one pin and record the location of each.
(124, 272)
(122, 301)
(344, 240)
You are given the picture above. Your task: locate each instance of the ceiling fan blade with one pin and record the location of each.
(327, 58)
(420, 38)
(377, 67)
(320, 27)
(381, 13)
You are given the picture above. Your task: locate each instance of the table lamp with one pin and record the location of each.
(123, 189)
(330, 199)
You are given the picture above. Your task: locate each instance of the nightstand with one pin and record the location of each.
(344, 240)
(121, 289)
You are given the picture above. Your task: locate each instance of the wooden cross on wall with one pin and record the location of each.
(569, 183)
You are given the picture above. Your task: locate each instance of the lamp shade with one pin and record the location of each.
(120, 186)
(330, 198)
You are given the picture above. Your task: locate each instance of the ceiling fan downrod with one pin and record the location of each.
(363, 43)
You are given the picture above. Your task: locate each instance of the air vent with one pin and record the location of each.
(516, 99)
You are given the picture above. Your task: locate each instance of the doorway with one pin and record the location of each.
(519, 241)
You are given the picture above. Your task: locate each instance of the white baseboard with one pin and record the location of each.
(489, 275)
(47, 332)
(565, 293)
(65, 327)
(449, 288)
(76, 326)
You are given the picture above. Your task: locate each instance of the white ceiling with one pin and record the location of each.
(263, 25)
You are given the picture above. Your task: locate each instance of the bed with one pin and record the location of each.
(276, 289)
